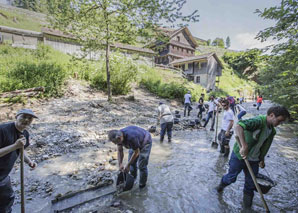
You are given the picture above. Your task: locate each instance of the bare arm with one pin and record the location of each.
(17, 145)
(120, 155)
(133, 157)
(244, 147)
(230, 125)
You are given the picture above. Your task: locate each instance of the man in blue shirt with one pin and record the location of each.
(139, 143)
(13, 136)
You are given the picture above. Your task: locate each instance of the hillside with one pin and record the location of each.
(21, 18)
(201, 49)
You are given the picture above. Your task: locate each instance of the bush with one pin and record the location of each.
(23, 69)
(167, 84)
(123, 72)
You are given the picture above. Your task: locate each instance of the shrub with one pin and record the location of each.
(123, 72)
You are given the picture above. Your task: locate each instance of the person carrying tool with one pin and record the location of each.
(211, 112)
(201, 106)
(139, 143)
(255, 136)
(232, 102)
(13, 136)
(166, 119)
(241, 110)
(187, 103)
(226, 126)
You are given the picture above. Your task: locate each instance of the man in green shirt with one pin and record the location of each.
(255, 135)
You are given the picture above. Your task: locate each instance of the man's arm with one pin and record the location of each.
(244, 148)
(120, 156)
(132, 159)
(229, 127)
(17, 145)
(27, 160)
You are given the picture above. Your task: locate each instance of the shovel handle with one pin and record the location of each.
(253, 178)
(22, 180)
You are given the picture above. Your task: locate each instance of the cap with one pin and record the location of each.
(160, 103)
(26, 111)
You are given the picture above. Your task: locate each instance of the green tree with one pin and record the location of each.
(34, 5)
(208, 42)
(280, 77)
(97, 24)
(218, 42)
(228, 42)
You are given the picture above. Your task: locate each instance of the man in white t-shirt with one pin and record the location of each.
(166, 121)
(212, 106)
(187, 103)
(226, 126)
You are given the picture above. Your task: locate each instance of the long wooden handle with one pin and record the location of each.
(22, 181)
(253, 177)
(216, 127)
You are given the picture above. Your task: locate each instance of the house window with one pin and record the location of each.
(187, 51)
(186, 66)
(203, 64)
(198, 79)
(173, 47)
(199, 65)
(178, 38)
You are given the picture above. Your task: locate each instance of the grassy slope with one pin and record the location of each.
(20, 18)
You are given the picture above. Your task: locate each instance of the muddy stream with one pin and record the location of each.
(182, 174)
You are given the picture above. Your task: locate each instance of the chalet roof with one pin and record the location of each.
(173, 32)
(133, 48)
(58, 33)
(200, 39)
(196, 58)
(20, 31)
(177, 43)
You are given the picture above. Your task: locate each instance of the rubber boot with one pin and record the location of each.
(161, 139)
(222, 148)
(220, 187)
(247, 200)
(227, 151)
(169, 140)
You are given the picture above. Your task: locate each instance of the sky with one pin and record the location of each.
(233, 18)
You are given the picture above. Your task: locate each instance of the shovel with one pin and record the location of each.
(214, 143)
(253, 178)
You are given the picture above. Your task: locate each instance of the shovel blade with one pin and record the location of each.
(214, 144)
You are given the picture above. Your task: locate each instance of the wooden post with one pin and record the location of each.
(22, 181)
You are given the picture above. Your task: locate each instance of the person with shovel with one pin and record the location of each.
(211, 112)
(255, 136)
(187, 103)
(227, 124)
(139, 143)
(13, 137)
(166, 119)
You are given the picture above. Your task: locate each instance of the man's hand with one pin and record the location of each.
(32, 164)
(262, 164)
(126, 169)
(121, 167)
(243, 152)
(227, 133)
(20, 142)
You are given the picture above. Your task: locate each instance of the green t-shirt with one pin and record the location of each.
(254, 153)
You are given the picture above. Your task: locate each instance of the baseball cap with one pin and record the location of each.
(26, 111)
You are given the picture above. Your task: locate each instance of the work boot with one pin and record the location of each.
(220, 187)
(141, 186)
(222, 148)
(169, 140)
(247, 200)
(161, 140)
(227, 151)
(212, 129)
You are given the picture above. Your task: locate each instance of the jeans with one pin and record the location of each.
(188, 107)
(6, 195)
(236, 166)
(210, 115)
(166, 127)
(200, 111)
(258, 105)
(241, 114)
(141, 163)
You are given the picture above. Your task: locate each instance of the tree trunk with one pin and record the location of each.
(108, 70)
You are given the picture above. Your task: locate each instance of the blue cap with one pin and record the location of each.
(27, 112)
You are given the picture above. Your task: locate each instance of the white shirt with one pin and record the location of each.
(165, 113)
(212, 105)
(227, 117)
(187, 98)
(240, 108)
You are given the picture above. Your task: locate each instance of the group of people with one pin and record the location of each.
(255, 136)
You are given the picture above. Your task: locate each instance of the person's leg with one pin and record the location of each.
(163, 127)
(143, 163)
(133, 167)
(213, 121)
(241, 114)
(226, 141)
(220, 139)
(6, 196)
(258, 105)
(249, 186)
(209, 115)
(235, 167)
(169, 131)
(185, 108)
